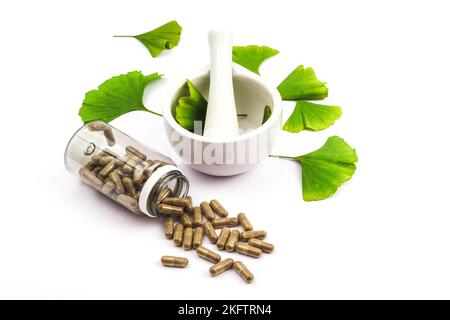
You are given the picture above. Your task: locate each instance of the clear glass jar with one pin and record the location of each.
(122, 168)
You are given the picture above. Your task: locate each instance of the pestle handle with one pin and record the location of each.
(221, 116)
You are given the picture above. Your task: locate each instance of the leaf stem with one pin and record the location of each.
(281, 157)
(120, 36)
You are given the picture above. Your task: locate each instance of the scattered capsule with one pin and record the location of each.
(129, 186)
(245, 235)
(136, 152)
(128, 202)
(224, 222)
(223, 238)
(168, 227)
(90, 179)
(170, 261)
(248, 250)
(165, 193)
(207, 210)
(232, 240)
(197, 217)
(198, 237)
(218, 208)
(207, 254)
(168, 210)
(186, 220)
(243, 271)
(187, 238)
(178, 202)
(189, 208)
(114, 176)
(244, 222)
(264, 246)
(178, 235)
(221, 267)
(107, 169)
(210, 232)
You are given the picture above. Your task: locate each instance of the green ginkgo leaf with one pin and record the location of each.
(266, 115)
(117, 96)
(252, 56)
(191, 107)
(311, 116)
(302, 84)
(324, 170)
(166, 36)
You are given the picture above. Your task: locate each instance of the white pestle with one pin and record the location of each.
(221, 116)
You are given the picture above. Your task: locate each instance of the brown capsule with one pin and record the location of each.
(90, 165)
(96, 170)
(244, 222)
(224, 222)
(129, 186)
(107, 169)
(126, 168)
(168, 228)
(186, 220)
(115, 178)
(221, 267)
(128, 202)
(109, 135)
(109, 152)
(179, 202)
(108, 187)
(187, 238)
(210, 232)
(243, 271)
(168, 210)
(97, 126)
(207, 254)
(232, 240)
(207, 210)
(218, 208)
(90, 179)
(138, 177)
(178, 235)
(189, 208)
(245, 235)
(105, 160)
(136, 152)
(248, 250)
(264, 246)
(165, 193)
(170, 261)
(197, 217)
(198, 237)
(223, 238)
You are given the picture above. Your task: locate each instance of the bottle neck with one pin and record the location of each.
(164, 177)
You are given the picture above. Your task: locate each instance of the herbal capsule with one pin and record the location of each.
(128, 202)
(223, 237)
(187, 238)
(248, 250)
(138, 177)
(178, 235)
(245, 235)
(243, 271)
(210, 232)
(167, 210)
(96, 170)
(129, 186)
(178, 202)
(168, 227)
(264, 246)
(198, 237)
(170, 261)
(136, 152)
(207, 210)
(108, 187)
(114, 176)
(221, 267)
(244, 222)
(218, 208)
(224, 222)
(106, 160)
(189, 208)
(232, 240)
(90, 179)
(186, 220)
(165, 193)
(107, 169)
(197, 217)
(207, 254)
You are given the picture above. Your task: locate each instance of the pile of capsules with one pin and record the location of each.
(190, 227)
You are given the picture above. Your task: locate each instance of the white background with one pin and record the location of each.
(385, 234)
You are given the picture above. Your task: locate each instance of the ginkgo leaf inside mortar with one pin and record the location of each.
(191, 107)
